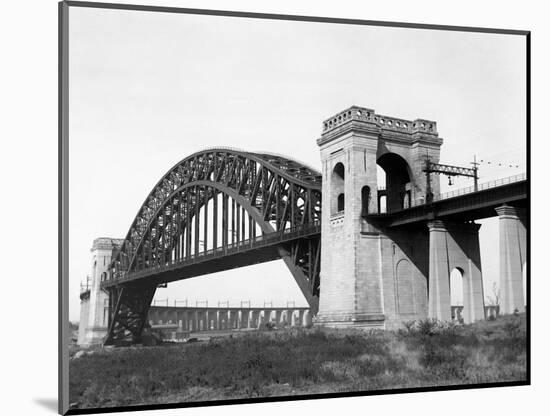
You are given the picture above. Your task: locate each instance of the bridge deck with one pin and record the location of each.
(245, 253)
(466, 207)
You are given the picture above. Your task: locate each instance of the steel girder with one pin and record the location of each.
(269, 191)
(128, 308)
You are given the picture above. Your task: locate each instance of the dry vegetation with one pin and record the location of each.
(304, 361)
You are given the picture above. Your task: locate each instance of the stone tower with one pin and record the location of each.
(94, 308)
(372, 277)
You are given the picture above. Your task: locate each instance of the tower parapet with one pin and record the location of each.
(357, 118)
(106, 243)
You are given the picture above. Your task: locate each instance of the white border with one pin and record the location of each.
(29, 205)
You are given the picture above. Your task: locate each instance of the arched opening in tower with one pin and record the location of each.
(365, 200)
(340, 202)
(337, 189)
(398, 181)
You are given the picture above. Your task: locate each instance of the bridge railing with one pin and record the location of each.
(482, 186)
(241, 246)
(470, 189)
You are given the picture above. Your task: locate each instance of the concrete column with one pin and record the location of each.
(522, 235)
(198, 320)
(307, 319)
(511, 234)
(83, 326)
(474, 307)
(293, 318)
(261, 318)
(439, 301)
(244, 318)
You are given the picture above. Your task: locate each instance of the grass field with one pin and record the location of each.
(302, 361)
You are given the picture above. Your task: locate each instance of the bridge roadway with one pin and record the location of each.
(244, 253)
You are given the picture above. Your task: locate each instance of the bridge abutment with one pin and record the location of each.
(94, 311)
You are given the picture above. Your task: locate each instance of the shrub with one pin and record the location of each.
(427, 326)
(410, 326)
(270, 326)
(512, 328)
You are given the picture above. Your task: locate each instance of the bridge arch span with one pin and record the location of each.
(270, 193)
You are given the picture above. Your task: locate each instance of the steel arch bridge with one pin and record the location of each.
(215, 210)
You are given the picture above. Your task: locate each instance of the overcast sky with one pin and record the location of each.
(149, 89)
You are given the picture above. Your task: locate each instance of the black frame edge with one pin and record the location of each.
(317, 19)
(528, 216)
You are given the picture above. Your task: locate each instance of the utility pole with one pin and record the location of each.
(476, 177)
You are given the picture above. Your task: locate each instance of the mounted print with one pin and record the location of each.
(258, 207)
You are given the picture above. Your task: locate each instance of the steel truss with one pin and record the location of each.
(131, 303)
(269, 193)
(450, 170)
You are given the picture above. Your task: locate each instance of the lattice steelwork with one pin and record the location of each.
(214, 204)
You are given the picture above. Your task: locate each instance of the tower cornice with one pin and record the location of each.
(365, 120)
